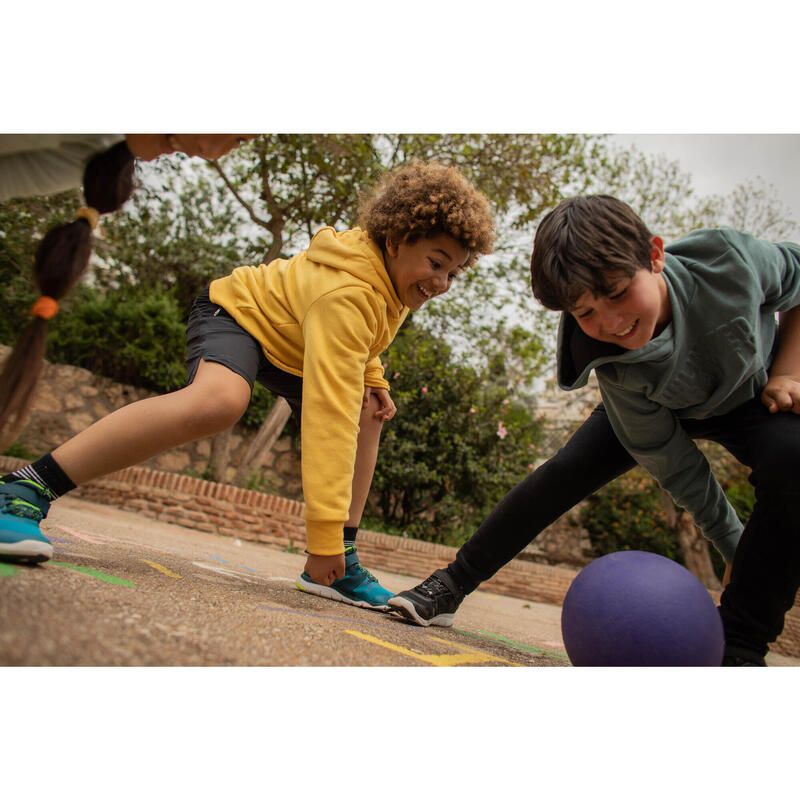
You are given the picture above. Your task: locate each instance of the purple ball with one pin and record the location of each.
(637, 609)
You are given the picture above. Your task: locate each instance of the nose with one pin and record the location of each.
(612, 322)
(440, 283)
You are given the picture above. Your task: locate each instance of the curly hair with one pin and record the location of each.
(425, 199)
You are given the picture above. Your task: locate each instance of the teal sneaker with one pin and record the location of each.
(23, 505)
(359, 587)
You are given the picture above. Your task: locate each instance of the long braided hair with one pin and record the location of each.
(61, 259)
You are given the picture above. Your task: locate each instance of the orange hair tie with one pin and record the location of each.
(45, 307)
(91, 215)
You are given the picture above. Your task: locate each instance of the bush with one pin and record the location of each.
(742, 497)
(627, 515)
(455, 447)
(131, 337)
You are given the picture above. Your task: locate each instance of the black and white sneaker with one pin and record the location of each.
(433, 602)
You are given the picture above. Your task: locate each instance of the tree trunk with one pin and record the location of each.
(269, 432)
(220, 456)
(694, 547)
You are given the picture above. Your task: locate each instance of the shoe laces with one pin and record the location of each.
(18, 507)
(433, 587)
(369, 576)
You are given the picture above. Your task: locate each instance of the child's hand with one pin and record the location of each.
(782, 393)
(387, 407)
(325, 569)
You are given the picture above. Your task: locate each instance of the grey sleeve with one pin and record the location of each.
(655, 438)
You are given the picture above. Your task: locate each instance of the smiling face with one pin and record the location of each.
(634, 310)
(425, 269)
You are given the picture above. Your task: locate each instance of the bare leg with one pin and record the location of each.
(369, 437)
(215, 400)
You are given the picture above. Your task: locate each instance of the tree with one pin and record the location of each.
(754, 207)
(457, 445)
(268, 198)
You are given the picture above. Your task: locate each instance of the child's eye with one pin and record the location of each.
(585, 314)
(618, 294)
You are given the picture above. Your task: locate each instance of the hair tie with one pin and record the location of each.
(45, 307)
(91, 215)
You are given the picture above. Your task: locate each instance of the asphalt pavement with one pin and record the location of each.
(124, 590)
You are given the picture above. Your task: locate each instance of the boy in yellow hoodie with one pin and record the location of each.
(310, 329)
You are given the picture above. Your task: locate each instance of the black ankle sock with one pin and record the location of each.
(350, 535)
(46, 472)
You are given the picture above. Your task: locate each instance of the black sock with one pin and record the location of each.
(350, 536)
(46, 472)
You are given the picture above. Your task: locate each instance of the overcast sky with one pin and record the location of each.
(719, 162)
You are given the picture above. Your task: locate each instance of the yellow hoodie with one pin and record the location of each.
(325, 315)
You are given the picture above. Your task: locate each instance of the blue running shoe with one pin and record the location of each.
(359, 587)
(23, 505)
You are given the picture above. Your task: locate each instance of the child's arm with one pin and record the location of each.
(387, 407)
(339, 330)
(655, 438)
(782, 392)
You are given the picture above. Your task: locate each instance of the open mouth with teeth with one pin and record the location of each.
(424, 292)
(628, 331)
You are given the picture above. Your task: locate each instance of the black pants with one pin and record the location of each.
(766, 568)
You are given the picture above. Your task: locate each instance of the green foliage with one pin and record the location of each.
(627, 515)
(136, 337)
(17, 450)
(455, 447)
(742, 497)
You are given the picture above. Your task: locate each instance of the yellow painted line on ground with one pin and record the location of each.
(161, 568)
(467, 656)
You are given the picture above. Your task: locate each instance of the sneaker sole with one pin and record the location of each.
(406, 609)
(329, 593)
(26, 550)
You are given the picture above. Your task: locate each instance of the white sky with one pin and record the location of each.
(719, 162)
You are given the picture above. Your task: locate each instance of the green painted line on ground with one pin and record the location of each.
(95, 573)
(512, 643)
(7, 569)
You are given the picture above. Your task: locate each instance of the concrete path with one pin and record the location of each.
(125, 590)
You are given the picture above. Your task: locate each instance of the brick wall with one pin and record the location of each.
(278, 522)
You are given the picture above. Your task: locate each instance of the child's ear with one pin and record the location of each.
(656, 254)
(391, 246)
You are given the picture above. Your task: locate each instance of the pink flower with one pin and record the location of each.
(501, 430)
(424, 390)
(506, 401)
(473, 410)
(530, 466)
(395, 376)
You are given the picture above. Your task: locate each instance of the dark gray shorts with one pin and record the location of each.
(212, 334)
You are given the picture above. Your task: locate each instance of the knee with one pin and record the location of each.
(217, 411)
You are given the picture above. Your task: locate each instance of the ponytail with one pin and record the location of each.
(61, 259)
